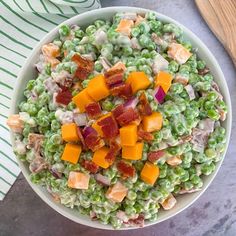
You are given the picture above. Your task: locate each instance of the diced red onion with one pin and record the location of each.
(159, 94)
(80, 119)
(131, 103)
(102, 179)
(88, 130)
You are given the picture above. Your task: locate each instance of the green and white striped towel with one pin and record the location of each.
(22, 24)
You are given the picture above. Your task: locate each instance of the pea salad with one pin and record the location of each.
(122, 118)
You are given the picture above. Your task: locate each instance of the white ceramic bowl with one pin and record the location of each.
(28, 72)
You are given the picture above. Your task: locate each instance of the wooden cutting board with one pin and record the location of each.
(220, 15)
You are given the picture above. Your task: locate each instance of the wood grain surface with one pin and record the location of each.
(220, 15)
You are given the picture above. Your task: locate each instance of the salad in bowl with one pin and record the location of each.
(122, 118)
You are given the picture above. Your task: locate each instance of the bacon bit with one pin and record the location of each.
(154, 156)
(144, 107)
(126, 170)
(109, 127)
(118, 111)
(203, 71)
(139, 221)
(123, 90)
(64, 96)
(90, 166)
(145, 135)
(127, 116)
(94, 142)
(93, 110)
(85, 66)
(81, 138)
(114, 77)
(113, 152)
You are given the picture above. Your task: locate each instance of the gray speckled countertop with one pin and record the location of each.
(23, 213)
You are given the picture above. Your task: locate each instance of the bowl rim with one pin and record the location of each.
(20, 78)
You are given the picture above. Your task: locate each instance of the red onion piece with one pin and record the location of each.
(88, 130)
(131, 103)
(102, 179)
(159, 94)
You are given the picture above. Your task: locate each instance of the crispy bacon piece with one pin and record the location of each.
(145, 135)
(114, 81)
(114, 77)
(113, 152)
(125, 169)
(144, 106)
(139, 221)
(109, 127)
(93, 110)
(122, 90)
(92, 140)
(154, 156)
(64, 96)
(81, 138)
(127, 116)
(118, 110)
(90, 166)
(85, 66)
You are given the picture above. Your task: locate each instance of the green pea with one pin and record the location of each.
(64, 30)
(188, 185)
(184, 177)
(79, 33)
(172, 28)
(220, 147)
(212, 96)
(211, 153)
(146, 69)
(155, 25)
(173, 66)
(213, 114)
(107, 105)
(208, 77)
(201, 65)
(150, 15)
(144, 27)
(127, 51)
(99, 23)
(221, 104)
(30, 85)
(91, 29)
(144, 40)
(135, 31)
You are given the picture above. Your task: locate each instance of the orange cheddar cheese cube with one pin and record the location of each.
(163, 79)
(133, 152)
(178, 52)
(15, 123)
(117, 192)
(138, 80)
(128, 135)
(71, 153)
(153, 122)
(82, 99)
(124, 27)
(98, 127)
(69, 132)
(150, 173)
(78, 180)
(97, 88)
(99, 157)
(50, 50)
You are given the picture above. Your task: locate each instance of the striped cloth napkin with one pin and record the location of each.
(22, 25)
